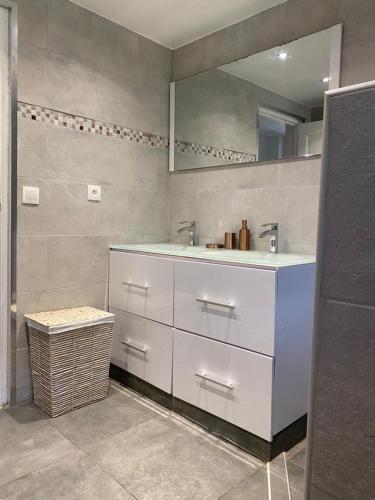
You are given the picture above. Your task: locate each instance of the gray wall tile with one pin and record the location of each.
(31, 265)
(184, 182)
(133, 104)
(32, 68)
(81, 157)
(306, 173)
(358, 41)
(215, 209)
(32, 21)
(219, 198)
(116, 48)
(32, 149)
(23, 375)
(71, 31)
(70, 86)
(155, 65)
(151, 169)
(306, 17)
(76, 260)
(302, 207)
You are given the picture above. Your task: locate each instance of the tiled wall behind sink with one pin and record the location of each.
(73, 61)
(218, 199)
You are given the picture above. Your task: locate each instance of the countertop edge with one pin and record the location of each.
(266, 267)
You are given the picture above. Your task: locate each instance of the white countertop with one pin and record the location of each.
(250, 258)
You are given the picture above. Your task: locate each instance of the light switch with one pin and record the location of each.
(94, 193)
(30, 195)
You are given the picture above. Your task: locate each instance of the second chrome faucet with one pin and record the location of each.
(192, 228)
(273, 232)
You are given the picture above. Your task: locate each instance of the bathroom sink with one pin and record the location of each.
(250, 258)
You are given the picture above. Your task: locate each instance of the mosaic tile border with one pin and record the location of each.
(213, 152)
(89, 125)
(97, 127)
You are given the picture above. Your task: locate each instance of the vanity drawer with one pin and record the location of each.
(143, 348)
(235, 305)
(229, 382)
(142, 285)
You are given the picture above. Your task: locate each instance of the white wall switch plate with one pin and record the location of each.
(94, 193)
(30, 195)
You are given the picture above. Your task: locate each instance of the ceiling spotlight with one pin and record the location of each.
(282, 55)
(326, 79)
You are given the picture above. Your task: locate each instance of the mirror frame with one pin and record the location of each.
(334, 71)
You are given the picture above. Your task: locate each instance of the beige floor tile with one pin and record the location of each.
(166, 459)
(100, 420)
(28, 442)
(75, 477)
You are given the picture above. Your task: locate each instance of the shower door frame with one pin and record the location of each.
(8, 214)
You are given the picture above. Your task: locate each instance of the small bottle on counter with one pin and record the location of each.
(244, 237)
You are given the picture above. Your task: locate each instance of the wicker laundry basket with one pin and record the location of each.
(70, 352)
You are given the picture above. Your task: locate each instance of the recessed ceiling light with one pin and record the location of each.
(326, 79)
(282, 55)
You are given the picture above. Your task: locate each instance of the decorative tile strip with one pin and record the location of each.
(91, 126)
(88, 125)
(213, 152)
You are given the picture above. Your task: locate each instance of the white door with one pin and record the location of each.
(4, 196)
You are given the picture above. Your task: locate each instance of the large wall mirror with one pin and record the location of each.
(265, 107)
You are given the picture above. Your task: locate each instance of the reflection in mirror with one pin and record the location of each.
(267, 106)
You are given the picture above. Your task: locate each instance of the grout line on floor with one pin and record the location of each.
(106, 472)
(116, 434)
(287, 476)
(238, 484)
(37, 470)
(269, 492)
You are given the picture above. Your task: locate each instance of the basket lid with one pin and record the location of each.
(63, 320)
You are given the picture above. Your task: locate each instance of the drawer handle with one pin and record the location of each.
(140, 348)
(218, 381)
(227, 305)
(136, 285)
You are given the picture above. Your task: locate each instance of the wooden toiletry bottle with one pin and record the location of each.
(244, 237)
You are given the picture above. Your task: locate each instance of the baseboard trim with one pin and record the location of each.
(139, 385)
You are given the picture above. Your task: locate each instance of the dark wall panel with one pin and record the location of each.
(342, 455)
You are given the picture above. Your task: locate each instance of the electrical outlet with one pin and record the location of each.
(94, 193)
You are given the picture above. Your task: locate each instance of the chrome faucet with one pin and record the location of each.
(192, 228)
(273, 231)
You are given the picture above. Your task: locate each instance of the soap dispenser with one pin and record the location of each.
(244, 237)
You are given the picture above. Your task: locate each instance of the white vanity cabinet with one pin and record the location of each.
(232, 383)
(143, 348)
(230, 339)
(232, 304)
(142, 285)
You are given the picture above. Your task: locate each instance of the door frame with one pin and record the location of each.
(8, 216)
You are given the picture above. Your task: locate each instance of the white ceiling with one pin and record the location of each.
(174, 23)
(297, 78)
